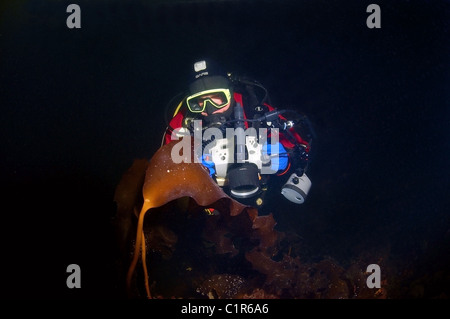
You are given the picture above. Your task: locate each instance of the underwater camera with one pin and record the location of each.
(242, 178)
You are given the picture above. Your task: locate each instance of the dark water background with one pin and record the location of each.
(77, 106)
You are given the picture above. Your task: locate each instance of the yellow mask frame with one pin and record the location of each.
(193, 105)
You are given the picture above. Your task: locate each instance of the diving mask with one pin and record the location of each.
(218, 98)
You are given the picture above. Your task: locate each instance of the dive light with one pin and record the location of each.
(296, 188)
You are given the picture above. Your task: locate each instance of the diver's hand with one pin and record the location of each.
(208, 163)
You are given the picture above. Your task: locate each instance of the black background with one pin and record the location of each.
(79, 105)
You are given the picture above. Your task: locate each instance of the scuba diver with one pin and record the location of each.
(244, 163)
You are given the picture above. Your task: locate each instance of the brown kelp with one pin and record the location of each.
(232, 253)
(166, 181)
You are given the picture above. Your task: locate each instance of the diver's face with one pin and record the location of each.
(217, 111)
(218, 100)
